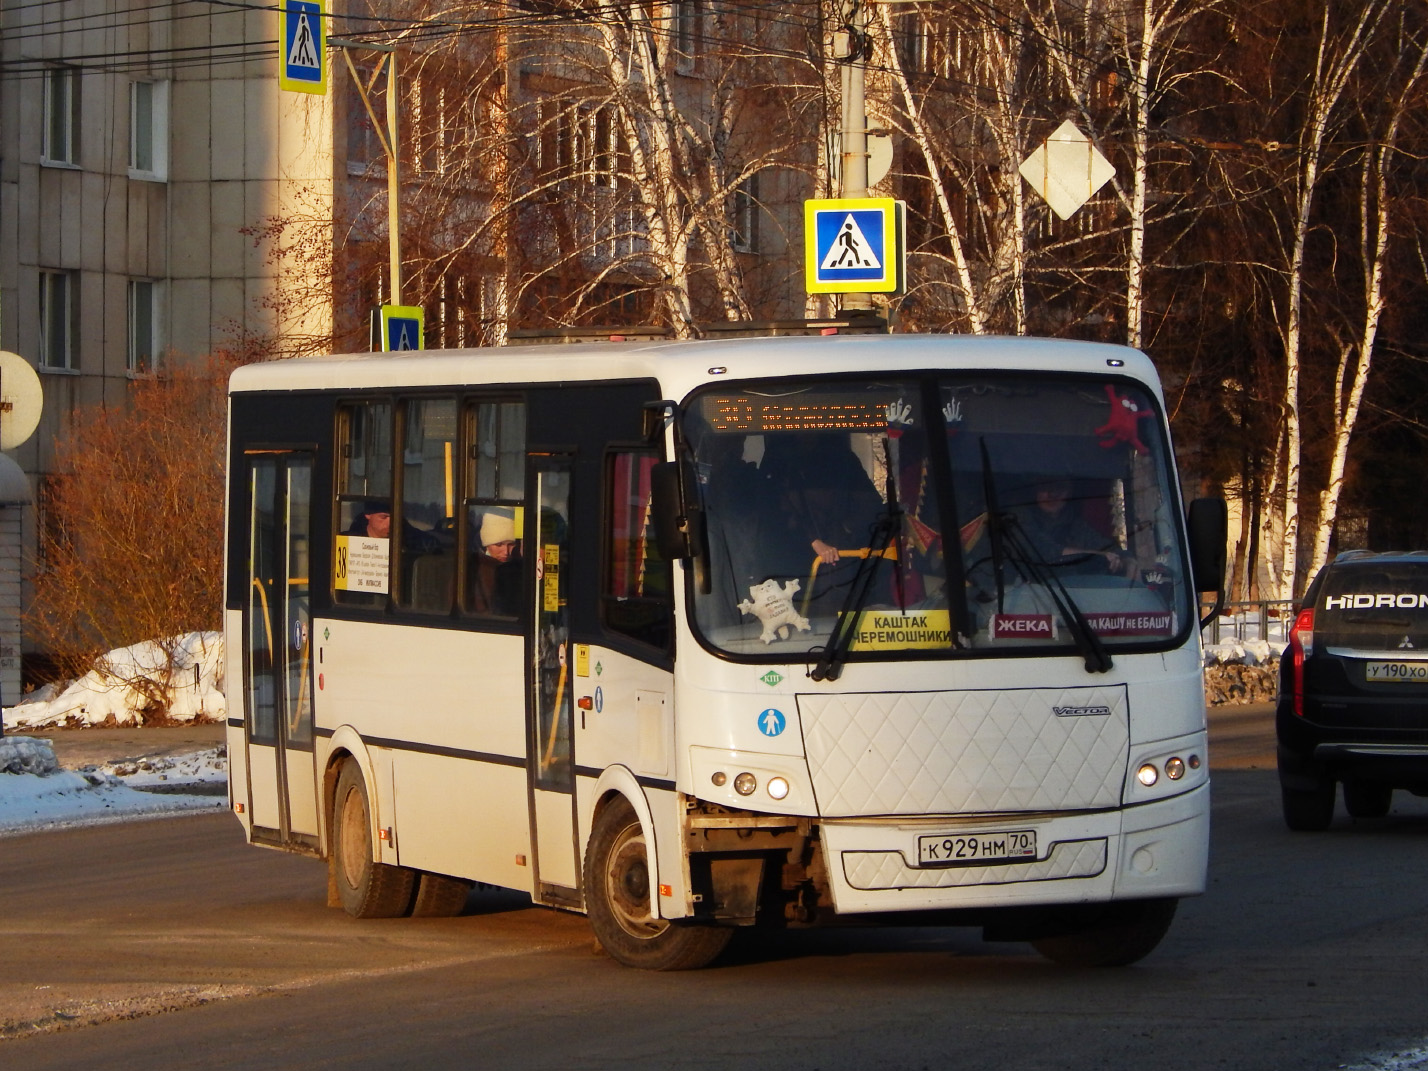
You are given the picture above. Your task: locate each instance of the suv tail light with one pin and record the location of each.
(1301, 643)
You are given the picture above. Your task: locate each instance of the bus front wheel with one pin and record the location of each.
(368, 889)
(1109, 935)
(617, 899)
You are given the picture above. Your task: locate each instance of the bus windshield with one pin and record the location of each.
(935, 515)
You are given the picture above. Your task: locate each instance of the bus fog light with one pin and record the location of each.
(1147, 775)
(719, 779)
(1175, 769)
(778, 788)
(745, 784)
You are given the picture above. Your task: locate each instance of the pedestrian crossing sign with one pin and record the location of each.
(302, 46)
(402, 328)
(853, 246)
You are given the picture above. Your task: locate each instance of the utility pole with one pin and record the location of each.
(852, 48)
(387, 134)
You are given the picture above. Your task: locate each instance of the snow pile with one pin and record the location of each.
(1245, 652)
(113, 692)
(57, 799)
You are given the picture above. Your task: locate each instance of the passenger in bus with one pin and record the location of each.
(495, 579)
(375, 521)
(828, 502)
(1059, 534)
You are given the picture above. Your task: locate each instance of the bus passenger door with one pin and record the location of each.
(277, 660)
(551, 761)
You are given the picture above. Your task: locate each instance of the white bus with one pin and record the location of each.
(694, 636)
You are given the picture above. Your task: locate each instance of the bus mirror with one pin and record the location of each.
(655, 416)
(676, 519)
(1208, 524)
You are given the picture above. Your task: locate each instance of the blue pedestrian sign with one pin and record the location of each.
(302, 46)
(853, 246)
(402, 328)
(772, 722)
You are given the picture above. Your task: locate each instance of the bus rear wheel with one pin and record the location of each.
(368, 889)
(1109, 935)
(617, 899)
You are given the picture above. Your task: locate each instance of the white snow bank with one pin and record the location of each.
(58, 799)
(108, 694)
(1249, 652)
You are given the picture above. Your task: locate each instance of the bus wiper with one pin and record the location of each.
(829, 666)
(1030, 565)
(1005, 535)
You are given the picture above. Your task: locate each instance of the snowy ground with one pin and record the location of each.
(35, 793)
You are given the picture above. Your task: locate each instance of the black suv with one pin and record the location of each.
(1353, 689)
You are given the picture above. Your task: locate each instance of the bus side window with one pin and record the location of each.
(362, 556)
(636, 598)
(493, 497)
(428, 507)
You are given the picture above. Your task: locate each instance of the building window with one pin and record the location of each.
(57, 301)
(144, 297)
(61, 113)
(148, 129)
(744, 216)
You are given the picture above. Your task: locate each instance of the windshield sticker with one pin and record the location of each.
(889, 630)
(1023, 627)
(952, 411)
(900, 414)
(1382, 600)
(1132, 624)
(1120, 426)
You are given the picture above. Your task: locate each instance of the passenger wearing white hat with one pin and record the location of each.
(495, 582)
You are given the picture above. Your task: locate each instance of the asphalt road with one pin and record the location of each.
(162, 940)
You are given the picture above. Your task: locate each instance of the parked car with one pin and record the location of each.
(1353, 689)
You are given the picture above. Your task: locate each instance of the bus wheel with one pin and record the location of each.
(439, 897)
(617, 899)
(368, 889)
(1109, 935)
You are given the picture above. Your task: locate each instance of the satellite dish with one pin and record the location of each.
(21, 400)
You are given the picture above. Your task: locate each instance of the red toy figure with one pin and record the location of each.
(1120, 426)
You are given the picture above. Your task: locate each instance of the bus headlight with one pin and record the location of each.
(777, 788)
(1147, 774)
(745, 784)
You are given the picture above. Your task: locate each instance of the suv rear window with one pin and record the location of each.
(1374, 605)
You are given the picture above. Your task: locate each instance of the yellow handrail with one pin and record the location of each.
(888, 552)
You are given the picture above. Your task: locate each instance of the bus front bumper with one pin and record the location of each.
(1156, 849)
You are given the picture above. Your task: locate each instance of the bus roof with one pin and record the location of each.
(682, 366)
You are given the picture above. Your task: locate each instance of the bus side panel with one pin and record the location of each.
(234, 736)
(455, 731)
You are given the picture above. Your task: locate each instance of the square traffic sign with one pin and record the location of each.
(402, 328)
(852, 246)
(302, 46)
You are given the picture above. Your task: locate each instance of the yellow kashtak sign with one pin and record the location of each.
(893, 630)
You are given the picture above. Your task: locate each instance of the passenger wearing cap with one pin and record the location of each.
(495, 583)
(375, 521)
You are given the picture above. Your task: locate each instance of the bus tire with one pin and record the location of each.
(439, 896)
(368, 889)
(617, 899)
(1109, 935)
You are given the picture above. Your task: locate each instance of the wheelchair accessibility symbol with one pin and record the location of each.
(772, 722)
